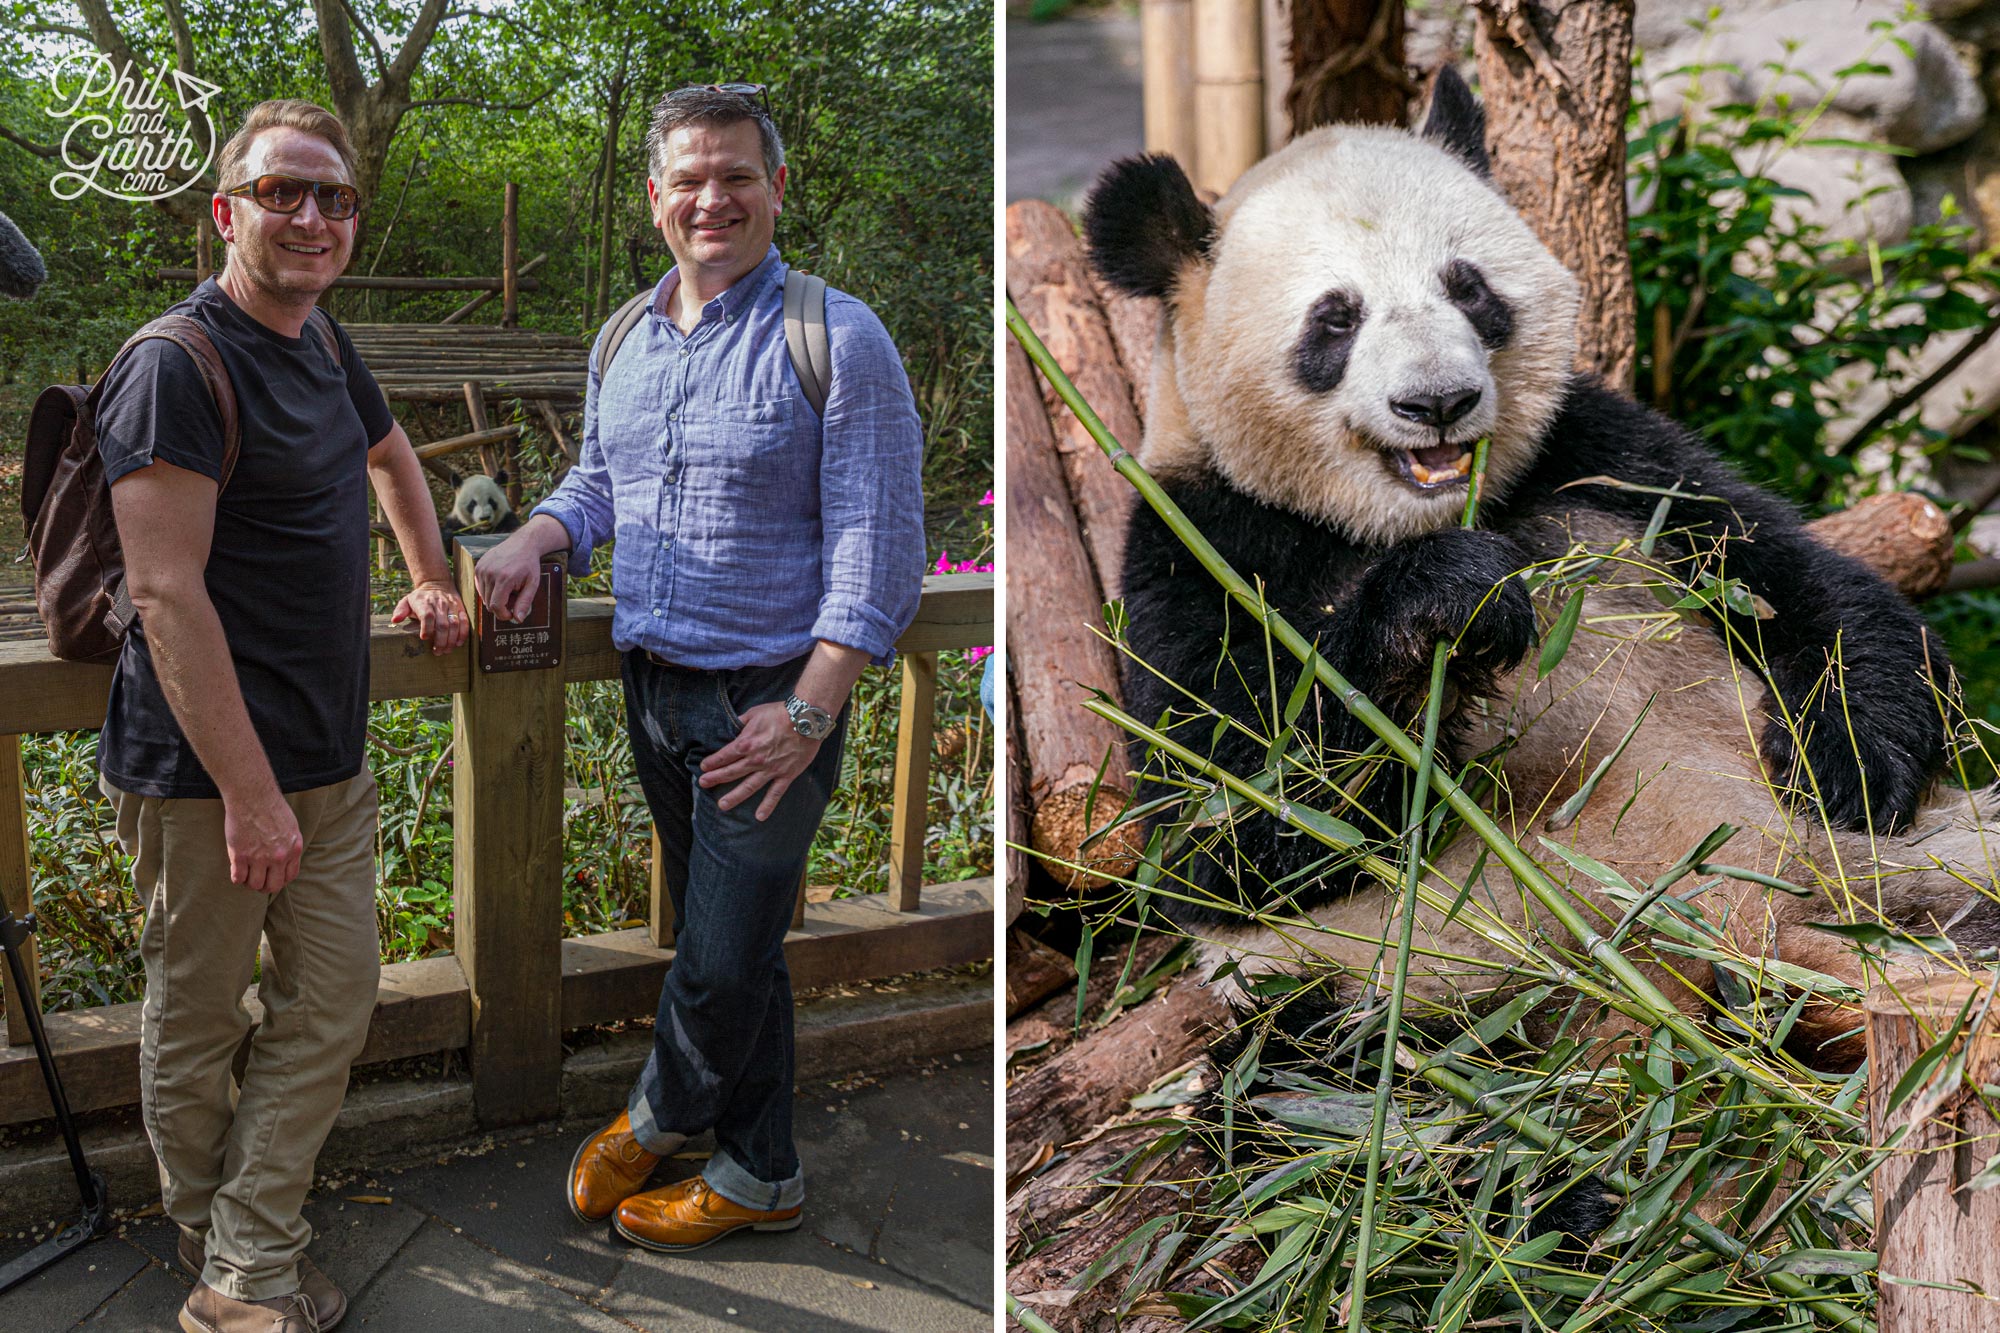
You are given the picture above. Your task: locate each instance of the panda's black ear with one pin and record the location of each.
(1143, 224)
(500, 477)
(452, 479)
(1457, 123)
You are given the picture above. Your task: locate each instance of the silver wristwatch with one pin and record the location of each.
(809, 720)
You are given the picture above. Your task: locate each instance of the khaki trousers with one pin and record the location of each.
(235, 1161)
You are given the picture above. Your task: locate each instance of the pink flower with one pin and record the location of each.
(987, 498)
(976, 655)
(943, 565)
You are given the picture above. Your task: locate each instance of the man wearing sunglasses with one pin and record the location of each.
(232, 749)
(767, 551)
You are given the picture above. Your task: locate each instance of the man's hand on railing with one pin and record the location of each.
(506, 576)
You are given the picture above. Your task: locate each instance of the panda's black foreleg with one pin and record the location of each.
(1451, 586)
(1854, 666)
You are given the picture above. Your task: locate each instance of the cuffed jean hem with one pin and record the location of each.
(646, 1126)
(733, 1183)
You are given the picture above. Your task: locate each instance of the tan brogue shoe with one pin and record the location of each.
(688, 1215)
(329, 1302)
(609, 1168)
(209, 1311)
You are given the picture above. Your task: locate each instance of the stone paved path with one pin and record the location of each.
(897, 1237)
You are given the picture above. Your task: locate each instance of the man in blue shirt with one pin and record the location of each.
(765, 554)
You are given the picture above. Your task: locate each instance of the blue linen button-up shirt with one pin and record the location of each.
(747, 527)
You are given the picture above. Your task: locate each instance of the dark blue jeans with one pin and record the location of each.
(722, 1042)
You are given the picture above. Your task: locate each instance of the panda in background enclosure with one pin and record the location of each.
(1339, 330)
(479, 504)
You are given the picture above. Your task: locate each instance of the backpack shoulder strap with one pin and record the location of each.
(186, 332)
(322, 323)
(622, 322)
(805, 336)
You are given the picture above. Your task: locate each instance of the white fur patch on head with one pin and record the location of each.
(1345, 220)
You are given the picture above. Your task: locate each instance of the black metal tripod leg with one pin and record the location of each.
(14, 932)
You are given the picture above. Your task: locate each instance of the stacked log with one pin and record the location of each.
(1066, 515)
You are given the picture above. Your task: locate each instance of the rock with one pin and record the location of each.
(1659, 24)
(1927, 100)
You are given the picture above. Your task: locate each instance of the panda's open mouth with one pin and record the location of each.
(1434, 468)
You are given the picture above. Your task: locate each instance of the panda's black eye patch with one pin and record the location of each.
(1328, 337)
(1490, 315)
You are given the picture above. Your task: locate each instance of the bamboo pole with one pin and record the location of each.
(484, 439)
(459, 314)
(390, 284)
(1228, 91)
(1166, 53)
(475, 407)
(510, 256)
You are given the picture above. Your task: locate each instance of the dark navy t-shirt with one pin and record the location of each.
(288, 566)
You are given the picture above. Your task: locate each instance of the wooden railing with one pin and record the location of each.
(514, 983)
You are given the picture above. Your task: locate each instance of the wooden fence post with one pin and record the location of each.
(660, 918)
(909, 812)
(1228, 91)
(1929, 1229)
(16, 888)
(1166, 51)
(507, 850)
(510, 257)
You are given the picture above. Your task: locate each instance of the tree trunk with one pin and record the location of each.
(1556, 76)
(1347, 64)
(614, 117)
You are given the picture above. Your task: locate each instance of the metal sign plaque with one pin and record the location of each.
(533, 644)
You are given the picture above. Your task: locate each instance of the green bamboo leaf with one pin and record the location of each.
(1083, 950)
(1590, 866)
(1560, 634)
(1570, 809)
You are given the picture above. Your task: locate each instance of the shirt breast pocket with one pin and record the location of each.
(754, 440)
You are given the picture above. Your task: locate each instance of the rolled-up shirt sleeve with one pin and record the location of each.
(582, 503)
(871, 488)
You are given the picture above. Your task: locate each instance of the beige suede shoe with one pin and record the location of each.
(329, 1302)
(209, 1311)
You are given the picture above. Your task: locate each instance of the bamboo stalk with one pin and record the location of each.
(1412, 874)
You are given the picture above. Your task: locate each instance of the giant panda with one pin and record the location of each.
(479, 504)
(1338, 331)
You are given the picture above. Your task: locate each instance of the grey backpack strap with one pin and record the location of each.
(805, 336)
(622, 322)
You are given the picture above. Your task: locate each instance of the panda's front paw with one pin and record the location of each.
(1864, 775)
(1454, 586)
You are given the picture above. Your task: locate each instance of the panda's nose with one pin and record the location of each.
(1435, 409)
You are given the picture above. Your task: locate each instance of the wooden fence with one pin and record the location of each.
(514, 983)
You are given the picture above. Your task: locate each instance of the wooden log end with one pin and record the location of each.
(1066, 817)
(1901, 536)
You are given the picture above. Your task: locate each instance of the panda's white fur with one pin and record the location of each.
(479, 504)
(1381, 213)
(1360, 207)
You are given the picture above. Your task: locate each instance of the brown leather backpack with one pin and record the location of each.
(72, 535)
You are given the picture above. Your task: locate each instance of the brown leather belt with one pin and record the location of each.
(676, 667)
